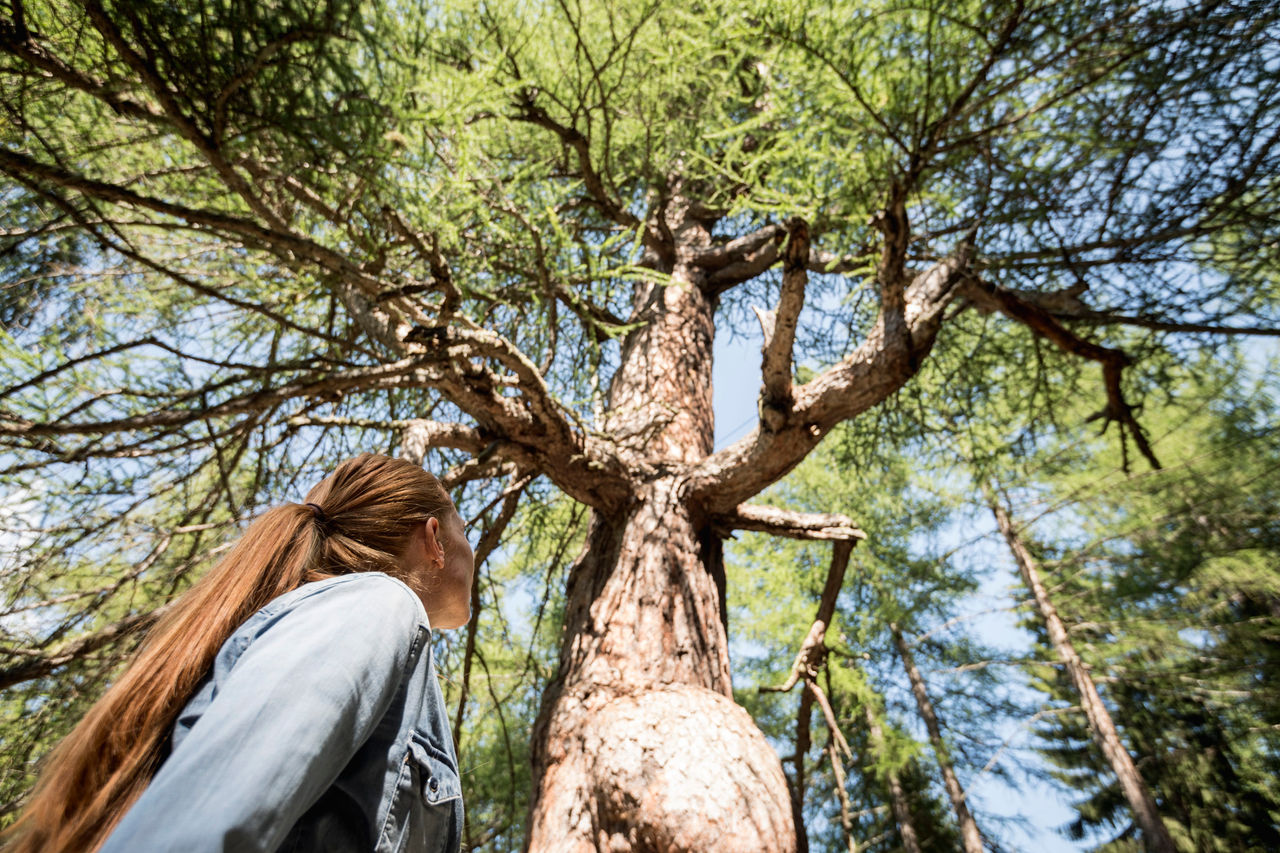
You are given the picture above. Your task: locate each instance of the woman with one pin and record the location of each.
(288, 700)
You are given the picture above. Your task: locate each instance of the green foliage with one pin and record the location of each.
(900, 575)
(1166, 581)
(196, 191)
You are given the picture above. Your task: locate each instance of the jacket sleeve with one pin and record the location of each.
(300, 701)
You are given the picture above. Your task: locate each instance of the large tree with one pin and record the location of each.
(241, 239)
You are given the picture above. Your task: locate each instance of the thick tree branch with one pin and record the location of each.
(1113, 361)
(750, 265)
(790, 524)
(761, 256)
(1067, 306)
(893, 276)
(420, 434)
(715, 258)
(489, 458)
(530, 427)
(881, 365)
(1104, 318)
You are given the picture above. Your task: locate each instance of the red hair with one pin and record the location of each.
(367, 508)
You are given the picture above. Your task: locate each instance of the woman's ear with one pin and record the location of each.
(435, 551)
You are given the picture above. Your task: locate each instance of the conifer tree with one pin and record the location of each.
(1164, 581)
(243, 240)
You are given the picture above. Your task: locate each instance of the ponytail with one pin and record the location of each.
(357, 519)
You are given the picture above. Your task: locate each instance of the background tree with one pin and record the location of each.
(1164, 583)
(243, 240)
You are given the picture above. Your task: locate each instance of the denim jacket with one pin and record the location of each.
(320, 728)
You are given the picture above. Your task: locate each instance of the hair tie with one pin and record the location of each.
(317, 512)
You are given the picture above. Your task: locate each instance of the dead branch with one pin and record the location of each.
(1113, 361)
(813, 651)
(488, 543)
(790, 524)
(420, 434)
(846, 817)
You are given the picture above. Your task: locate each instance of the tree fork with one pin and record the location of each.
(638, 745)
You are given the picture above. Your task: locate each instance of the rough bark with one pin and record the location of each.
(639, 745)
(968, 827)
(897, 796)
(1101, 726)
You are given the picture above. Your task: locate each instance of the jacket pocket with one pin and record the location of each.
(436, 771)
(436, 800)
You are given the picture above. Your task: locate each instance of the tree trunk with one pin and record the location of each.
(639, 745)
(897, 796)
(968, 827)
(1143, 805)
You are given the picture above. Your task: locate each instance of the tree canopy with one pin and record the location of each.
(242, 240)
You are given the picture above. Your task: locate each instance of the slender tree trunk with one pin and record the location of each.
(846, 816)
(798, 781)
(968, 827)
(1101, 725)
(897, 796)
(639, 745)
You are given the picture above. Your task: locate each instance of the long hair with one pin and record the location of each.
(367, 508)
